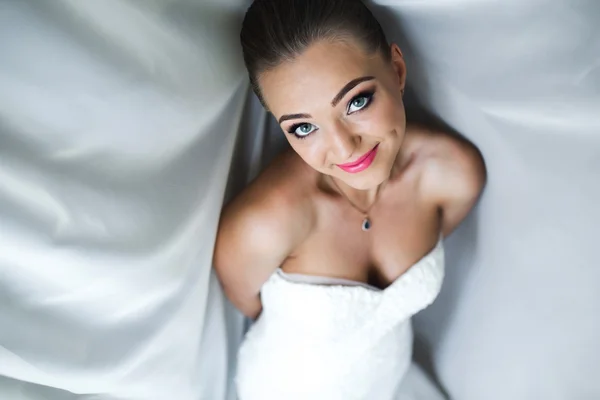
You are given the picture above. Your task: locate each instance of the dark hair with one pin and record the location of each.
(278, 30)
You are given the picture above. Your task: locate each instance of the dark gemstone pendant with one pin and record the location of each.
(366, 225)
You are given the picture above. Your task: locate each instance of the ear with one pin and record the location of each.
(399, 65)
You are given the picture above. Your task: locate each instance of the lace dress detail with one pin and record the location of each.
(323, 339)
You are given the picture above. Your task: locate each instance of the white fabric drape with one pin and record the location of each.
(117, 126)
(118, 123)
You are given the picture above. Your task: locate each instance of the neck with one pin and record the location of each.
(359, 197)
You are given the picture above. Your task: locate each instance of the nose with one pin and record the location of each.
(342, 144)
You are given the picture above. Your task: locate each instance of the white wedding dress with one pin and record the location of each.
(320, 338)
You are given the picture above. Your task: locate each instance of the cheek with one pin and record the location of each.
(385, 118)
(309, 150)
(394, 115)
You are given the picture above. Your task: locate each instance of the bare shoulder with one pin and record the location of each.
(260, 228)
(450, 167)
(275, 210)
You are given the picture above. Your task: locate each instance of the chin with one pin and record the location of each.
(370, 179)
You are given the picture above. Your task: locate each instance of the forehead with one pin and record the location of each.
(314, 77)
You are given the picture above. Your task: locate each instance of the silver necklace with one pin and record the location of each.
(366, 223)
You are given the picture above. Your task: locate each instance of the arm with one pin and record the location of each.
(455, 178)
(257, 232)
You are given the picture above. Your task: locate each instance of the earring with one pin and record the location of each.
(402, 92)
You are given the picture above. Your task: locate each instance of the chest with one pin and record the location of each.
(403, 229)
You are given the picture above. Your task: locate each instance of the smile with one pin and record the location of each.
(362, 163)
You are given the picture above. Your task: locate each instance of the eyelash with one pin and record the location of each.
(368, 94)
(292, 130)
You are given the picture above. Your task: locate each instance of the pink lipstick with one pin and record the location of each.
(362, 163)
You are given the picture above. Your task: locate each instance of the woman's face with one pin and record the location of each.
(341, 109)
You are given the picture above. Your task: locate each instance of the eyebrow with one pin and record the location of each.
(348, 87)
(293, 116)
(343, 91)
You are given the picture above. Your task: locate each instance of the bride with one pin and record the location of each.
(337, 243)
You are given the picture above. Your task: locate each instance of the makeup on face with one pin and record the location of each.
(361, 163)
(334, 103)
(357, 103)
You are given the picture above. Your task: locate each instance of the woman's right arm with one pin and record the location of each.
(257, 232)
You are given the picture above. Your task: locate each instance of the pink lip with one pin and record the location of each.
(362, 163)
